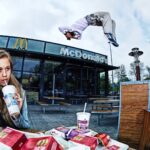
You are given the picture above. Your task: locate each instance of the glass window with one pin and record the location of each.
(48, 84)
(53, 48)
(53, 82)
(52, 66)
(59, 83)
(91, 81)
(3, 41)
(12, 42)
(18, 43)
(36, 46)
(48, 66)
(102, 83)
(85, 73)
(53, 78)
(31, 81)
(17, 63)
(25, 44)
(31, 65)
(73, 81)
(17, 74)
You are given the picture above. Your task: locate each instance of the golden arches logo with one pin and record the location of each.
(21, 43)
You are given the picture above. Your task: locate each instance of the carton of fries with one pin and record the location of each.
(89, 141)
(12, 139)
(41, 143)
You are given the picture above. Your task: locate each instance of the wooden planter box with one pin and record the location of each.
(134, 98)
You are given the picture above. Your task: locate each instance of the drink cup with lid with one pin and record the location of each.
(83, 119)
(9, 92)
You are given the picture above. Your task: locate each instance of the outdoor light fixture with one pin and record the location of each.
(136, 53)
(112, 65)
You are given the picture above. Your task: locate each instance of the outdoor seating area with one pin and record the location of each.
(108, 114)
(53, 118)
(126, 119)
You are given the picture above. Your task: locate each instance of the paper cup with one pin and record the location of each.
(9, 97)
(83, 119)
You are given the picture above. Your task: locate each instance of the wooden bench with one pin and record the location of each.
(44, 105)
(65, 105)
(105, 107)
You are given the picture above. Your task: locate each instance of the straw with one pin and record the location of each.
(69, 132)
(5, 82)
(85, 107)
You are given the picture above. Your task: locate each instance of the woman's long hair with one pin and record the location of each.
(13, 80)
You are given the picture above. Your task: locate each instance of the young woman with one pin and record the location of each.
(6, 76)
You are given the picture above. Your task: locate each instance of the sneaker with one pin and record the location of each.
(112, 39)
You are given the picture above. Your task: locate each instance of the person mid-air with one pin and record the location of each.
(96, 19)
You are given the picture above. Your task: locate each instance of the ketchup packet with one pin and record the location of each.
(103, 138)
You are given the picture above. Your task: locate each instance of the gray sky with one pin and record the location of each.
(40, 19)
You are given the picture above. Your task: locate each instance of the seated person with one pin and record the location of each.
(20, 120)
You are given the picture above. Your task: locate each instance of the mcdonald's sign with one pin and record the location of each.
(21, 43)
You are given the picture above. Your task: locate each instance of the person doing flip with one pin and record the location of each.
(95, 19)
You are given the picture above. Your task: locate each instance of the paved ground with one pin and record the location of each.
(53, 117)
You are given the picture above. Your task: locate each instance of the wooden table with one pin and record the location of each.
(113, 97)
(105, 107)
(53, 99)
(79, 97)
(98, 98)
(92, 99)
(107, 101)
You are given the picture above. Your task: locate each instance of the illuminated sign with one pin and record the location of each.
(21, 43)
(80, 54)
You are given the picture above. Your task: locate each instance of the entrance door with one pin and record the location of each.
(53, 79)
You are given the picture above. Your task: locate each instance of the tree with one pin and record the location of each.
(121, 76)
(147, 76)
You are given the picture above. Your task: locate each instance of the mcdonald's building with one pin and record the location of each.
(53, 69)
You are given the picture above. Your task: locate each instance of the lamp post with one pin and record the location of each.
(136, 53)
(112, 65)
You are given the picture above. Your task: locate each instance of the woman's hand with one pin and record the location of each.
(19, 100)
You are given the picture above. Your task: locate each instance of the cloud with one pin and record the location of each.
(40, 19)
